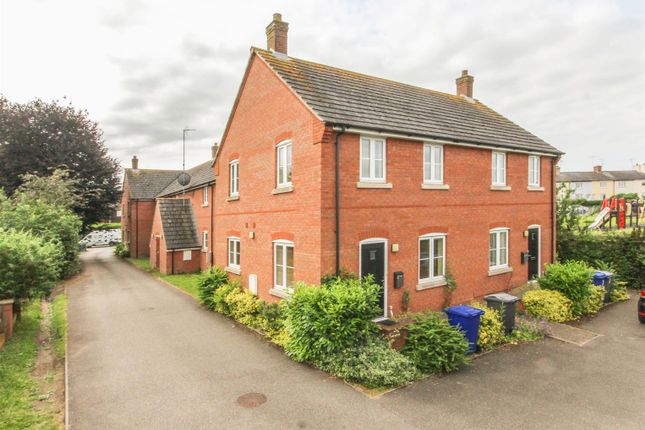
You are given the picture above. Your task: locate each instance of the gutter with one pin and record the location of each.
(212, 203)
(136, 243)
(553, 203)
(337, 196)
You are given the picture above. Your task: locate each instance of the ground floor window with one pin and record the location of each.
(234, 252)
(498, 248)
(283, 265)
(432, 257)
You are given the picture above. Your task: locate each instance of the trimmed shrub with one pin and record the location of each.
(571, 279)
(270, 319)
(122, 251)
(330, 318)
(548, 304)
(208, 283)
(596, 299)
(491, 327)
(242, 306)
(373, 364)
(618, 294)
(219, 297)
(434, 345)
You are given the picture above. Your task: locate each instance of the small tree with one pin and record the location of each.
(58, 189)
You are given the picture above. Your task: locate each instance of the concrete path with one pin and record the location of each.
(143, 355)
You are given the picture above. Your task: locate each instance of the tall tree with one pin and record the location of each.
(39, 137)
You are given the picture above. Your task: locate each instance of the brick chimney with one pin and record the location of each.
(277, 34)
(465, 84)
(597, 169)
(214, 149)
(135, 162)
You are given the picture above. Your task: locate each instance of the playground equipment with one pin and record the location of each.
(616, 211)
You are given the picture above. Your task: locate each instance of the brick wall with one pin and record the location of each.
(136, 223)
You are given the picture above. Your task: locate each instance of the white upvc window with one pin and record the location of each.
(498, 248)
(534, 170)
(283, 160)
(603, 184)
(205, 196)
(187, 255)
(205, 241)
(234, 252)
(372, 159)
(432, 257)
(234, 178)
(620, 184)
(499, 168)
(283, 265)
(432, 164)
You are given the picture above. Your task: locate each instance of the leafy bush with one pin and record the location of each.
(208, 283)
(122, 251)
(618, 294)
(243, 306)
(596, 299)
(491, 327)
(270, 319)
(548, 304)
(372, 364)
(526, 330)
(219, 297)
(29, 265)
(571, 279)
(330, 318)
(434, 345)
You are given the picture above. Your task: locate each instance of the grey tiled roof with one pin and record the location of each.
(607, 175)
(199, 175)
(346, 98)
(148, 183)
(178, 222)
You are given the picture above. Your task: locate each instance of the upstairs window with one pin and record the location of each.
(534, 171)
(205, 196)
(234, 178)
(283, 158)
(283, 265)
(498, 248)
(620, 184)
(372, 159)
(234, 252)
(432, 257)
(499, 168)
(432, 164)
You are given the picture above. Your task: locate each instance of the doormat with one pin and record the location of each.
(568, 334)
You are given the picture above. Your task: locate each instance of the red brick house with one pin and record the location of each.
(321, 169)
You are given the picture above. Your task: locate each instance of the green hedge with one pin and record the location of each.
(572, 279)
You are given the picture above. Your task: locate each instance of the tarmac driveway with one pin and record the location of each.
(143, 355)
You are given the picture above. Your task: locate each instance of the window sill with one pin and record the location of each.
(534, 188)
(500, 188)
(435, 186)
(204, 205)
(232, 198)
(383, 185)
(426, 285)
(283, 189)
(205, 250)
(499, 271)
(233, 270)
(279, 292)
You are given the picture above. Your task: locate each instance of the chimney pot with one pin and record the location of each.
(277, 34)
(214, 149)
(465, 84)
(135, 162)
(597, 168)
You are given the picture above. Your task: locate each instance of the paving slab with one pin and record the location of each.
(569, 334)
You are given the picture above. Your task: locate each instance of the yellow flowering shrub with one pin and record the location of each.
(548, 304)
(491, 327)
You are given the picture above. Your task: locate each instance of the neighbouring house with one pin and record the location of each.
(598, 184)
(322, 169)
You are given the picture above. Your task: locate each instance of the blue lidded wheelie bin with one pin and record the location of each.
(466, 318)
(604, 278)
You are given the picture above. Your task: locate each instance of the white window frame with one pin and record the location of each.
(372, 161)
(534, 170)
(235, 242)
(431, 257)
(497, 232)
(621, 184)
(287, 168)
(205, 241)
(603, 184)
(187, 255)
(496, 171)
(430, 166)
(285, 244)
(234, 178)
(205, 196)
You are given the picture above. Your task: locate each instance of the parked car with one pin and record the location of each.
(641, 307)
(101, 238)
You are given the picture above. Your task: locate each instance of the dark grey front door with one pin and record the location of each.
(534, 252)
(373, 263)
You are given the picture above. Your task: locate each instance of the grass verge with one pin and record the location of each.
(186, 281)
(59, 324)
(18, 391)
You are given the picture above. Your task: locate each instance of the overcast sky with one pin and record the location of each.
(571, 72)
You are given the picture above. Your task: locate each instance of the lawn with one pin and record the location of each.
(186, 281)
(59, 324)
(18, 391)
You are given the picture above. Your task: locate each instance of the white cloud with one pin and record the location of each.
(568, 71)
